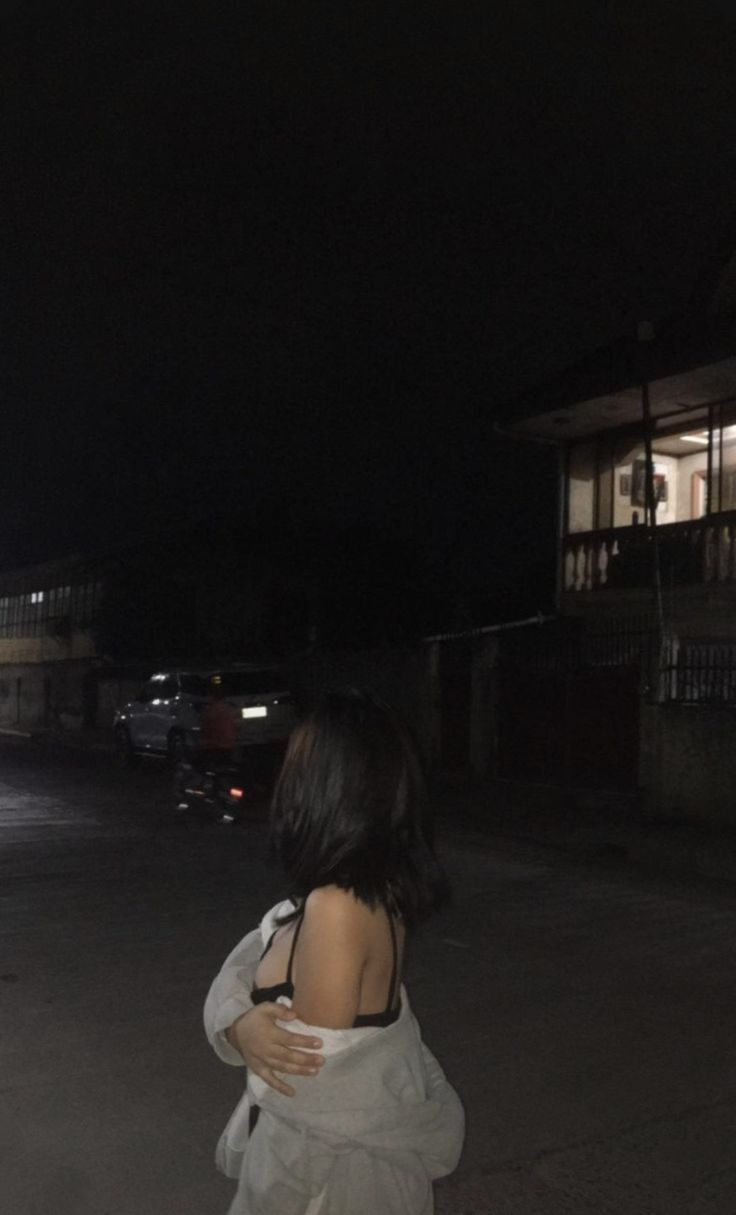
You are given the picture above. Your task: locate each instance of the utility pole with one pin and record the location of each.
(645, 333)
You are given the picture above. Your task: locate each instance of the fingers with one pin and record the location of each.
(293, 1041)
(298, 1041)
(297, 1064)
(275, 1082)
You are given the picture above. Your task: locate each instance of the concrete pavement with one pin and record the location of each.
(600, 826)
(583, 1010)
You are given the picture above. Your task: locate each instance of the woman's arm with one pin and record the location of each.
(267, 1049)
(331, 955)
(242, 1034)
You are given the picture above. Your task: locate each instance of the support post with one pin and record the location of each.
(646, 334)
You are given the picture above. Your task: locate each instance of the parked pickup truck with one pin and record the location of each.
(164, 717)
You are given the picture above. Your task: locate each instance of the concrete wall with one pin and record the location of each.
(36, 696)
(702, 610)
(42, 681)
(581, 488)
(692, 762)
(688, 466)
(45, 649)
(22, 697)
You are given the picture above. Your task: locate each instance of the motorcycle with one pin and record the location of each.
(218, 791)
(226, 791)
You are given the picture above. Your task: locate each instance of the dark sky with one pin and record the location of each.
(287, 256)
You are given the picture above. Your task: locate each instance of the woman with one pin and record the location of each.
(368, 1129)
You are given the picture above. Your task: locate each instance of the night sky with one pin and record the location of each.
(293, 258)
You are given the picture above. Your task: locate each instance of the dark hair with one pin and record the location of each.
(350, 809)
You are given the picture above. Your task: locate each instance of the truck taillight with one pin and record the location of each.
(236, 793)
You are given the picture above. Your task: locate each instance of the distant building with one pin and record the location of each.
(46, 644)
(80, 634)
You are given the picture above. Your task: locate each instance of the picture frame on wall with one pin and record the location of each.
(624, 485)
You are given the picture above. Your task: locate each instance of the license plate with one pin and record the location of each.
(254, 711)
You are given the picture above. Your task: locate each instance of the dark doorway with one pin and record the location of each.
(570, 727)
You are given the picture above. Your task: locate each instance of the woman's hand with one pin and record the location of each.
(267, 1049)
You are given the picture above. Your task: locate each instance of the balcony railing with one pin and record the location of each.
(696, 551)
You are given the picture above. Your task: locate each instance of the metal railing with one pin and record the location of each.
(671, 669)
(699, 672)
(691, 552)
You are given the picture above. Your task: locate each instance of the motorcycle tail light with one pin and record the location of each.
(236, 793)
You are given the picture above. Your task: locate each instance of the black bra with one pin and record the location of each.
(260, 995)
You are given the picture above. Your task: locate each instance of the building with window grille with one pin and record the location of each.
(633, 687)
(47, 649)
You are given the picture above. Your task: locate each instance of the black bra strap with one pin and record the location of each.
(269, 943)
(394, 972)
(299, 923)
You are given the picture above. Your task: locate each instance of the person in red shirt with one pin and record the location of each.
(219, 737)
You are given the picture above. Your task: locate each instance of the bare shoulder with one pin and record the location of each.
(330, 957)
(337, 913)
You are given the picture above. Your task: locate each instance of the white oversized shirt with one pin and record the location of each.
(368, 1134)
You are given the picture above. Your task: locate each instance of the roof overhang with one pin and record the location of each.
(712, 384)
(685, 368)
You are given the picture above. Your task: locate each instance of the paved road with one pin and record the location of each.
(585, 1014)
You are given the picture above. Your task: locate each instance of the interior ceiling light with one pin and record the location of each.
(693, 438)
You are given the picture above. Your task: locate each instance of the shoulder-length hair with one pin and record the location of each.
(350, 809)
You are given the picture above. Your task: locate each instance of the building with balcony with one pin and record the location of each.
(611, 544)
(639, 671)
